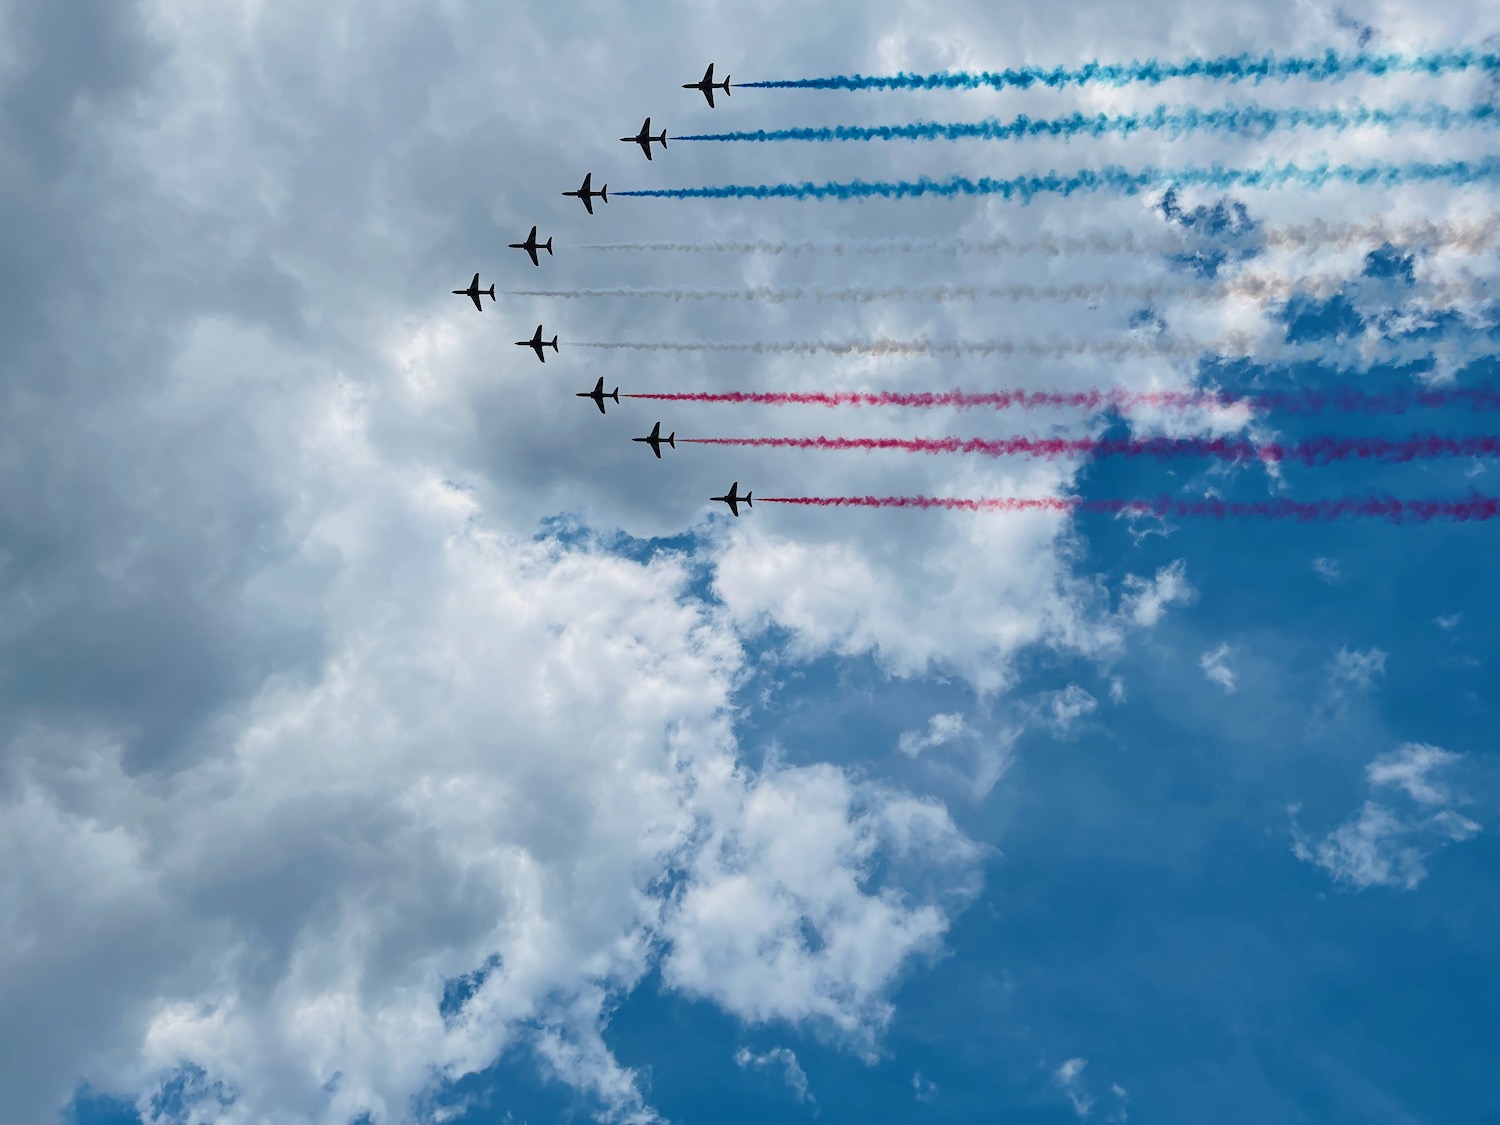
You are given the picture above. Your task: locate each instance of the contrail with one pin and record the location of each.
(1345, 399)
(1255, 119)
(1315, 451)
(1342, 355)
(1257, 287)
(1467, 237)
(1328, 67)
(1109, 178)
(1475, 507)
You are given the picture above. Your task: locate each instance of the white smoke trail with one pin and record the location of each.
(1462, 236)
(1262, 288)
(1238, 345)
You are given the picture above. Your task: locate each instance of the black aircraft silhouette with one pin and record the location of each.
(733, 500)
(598, 395)
(531, 246)
(654, 439)
(473, 292)
(644, 138)
(538, 343)
(587, 194)
(708, 85)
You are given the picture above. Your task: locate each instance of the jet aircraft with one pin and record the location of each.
(644, 138)
(654, 438)
(598, 395)
(531, 246)
(733, 499)
(473, 292)
(537, 343)
(707, 86)
(588, 195)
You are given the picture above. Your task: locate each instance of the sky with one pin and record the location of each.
(385, 738)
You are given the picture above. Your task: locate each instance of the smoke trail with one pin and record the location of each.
(1109, 178)
(1346, 399)
(1328, 67)
(1476, 507)
(1468, 237)
(1315, 451)
(1256, 287)
(1341, 355)
(1259, 120)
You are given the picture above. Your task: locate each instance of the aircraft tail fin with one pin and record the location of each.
(672, 439)
(615, 394)
(549, 246)
(662, 140)
(726, 85)
(490, 292)
(604, 193)
(553, 343)
(748, 502)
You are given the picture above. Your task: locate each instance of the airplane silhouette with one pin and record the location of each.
(473, 292)
(538, 343)
(654, 439)
(708, 85)
(531, 246)
(733, 500)
(644, 138)
(598, 395)
(587, 194)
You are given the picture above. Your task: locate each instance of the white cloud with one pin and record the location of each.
(1447, 622)
(1408, 766)
(1069, 1079)
(922, 1088)
(774, 923)
(1147, 601)
(941, 729)
(1381, 847)
(1117, 689)
(1061, 709)
(1328, 570)
(792, 1072)
(1356, 669)
(1215, 668)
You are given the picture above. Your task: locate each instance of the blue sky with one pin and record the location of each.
(384, 738)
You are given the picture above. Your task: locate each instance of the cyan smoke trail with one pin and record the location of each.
(1467, 237)
(1328, 67)
(1314, 451)
(1110, 178)
(1340, 355)
(1257, 287)
(1475, 507)
(1345, 399)
(1259, 120)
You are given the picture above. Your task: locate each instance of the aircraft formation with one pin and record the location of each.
(587, 195)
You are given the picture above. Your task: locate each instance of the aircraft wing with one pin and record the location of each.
(532, 251)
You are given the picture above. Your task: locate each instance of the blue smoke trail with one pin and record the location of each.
(1230, 119)
(1329, 67)
(1110, 178)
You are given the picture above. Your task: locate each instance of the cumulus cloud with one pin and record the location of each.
(1147, 600)
(1379, 846)
(784, 1058)
(1069, 1079)
(1216, 670)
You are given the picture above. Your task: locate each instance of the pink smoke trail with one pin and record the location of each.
(1314, 451)
(1345, 399)
(1475, 507)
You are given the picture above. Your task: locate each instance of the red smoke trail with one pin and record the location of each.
(1316, 451)
(1475, 507)
(1349, 400)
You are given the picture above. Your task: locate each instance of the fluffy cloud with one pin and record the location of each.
(783, 1057)
(1380, 847)
(1215, 668)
